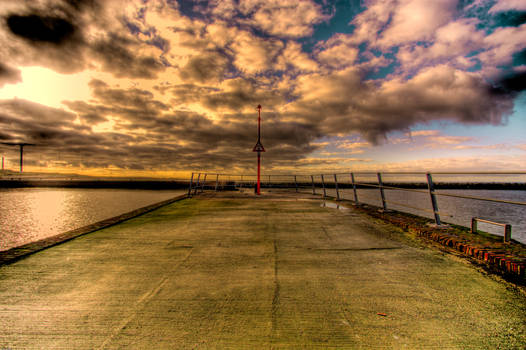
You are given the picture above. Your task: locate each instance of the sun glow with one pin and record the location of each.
(47, 87)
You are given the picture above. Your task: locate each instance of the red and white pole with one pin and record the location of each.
(259, 152)
(259, 148)
(259, 173)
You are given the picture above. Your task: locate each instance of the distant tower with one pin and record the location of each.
(259, 148)
(21, 145)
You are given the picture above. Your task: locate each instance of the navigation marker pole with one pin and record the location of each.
(259, 148)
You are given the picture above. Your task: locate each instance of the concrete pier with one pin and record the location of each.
(235, 271)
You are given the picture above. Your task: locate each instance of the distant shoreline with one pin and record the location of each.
(181, 184)
(132, 184)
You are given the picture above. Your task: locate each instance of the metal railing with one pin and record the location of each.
(507, 227)
(339, 185)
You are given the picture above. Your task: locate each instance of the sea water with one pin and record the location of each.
(30, 214)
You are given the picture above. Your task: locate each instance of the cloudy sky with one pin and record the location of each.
(154, 87)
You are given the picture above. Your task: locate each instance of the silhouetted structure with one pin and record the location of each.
(21, 145)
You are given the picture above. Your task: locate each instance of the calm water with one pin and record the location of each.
(454, 210)
(30, 214)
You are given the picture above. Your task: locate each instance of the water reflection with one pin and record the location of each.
(30, 214)
(333, 205)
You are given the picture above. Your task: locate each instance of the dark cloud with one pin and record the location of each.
(343, 103)
(88, 114)
(133, 98)
(36, 28)
(205, 67)
(58, 36)
(9, 75)
(509, 85)
(153, 135)
(117, 56)
(238, 93)
(186, 93)
(59, 139)
(25, 121)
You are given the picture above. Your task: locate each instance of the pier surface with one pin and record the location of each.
(232, 271)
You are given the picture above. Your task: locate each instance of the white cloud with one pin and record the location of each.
(369, 23)
(390, 23)
(450, 44)
(339, 51)
(415, 20)
(501, 45)
(507, 5)
(293, 56)
(253, 54)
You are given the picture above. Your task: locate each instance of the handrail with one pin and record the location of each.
(507, 227)
(442, 194)
(313, 180)
(519, 172)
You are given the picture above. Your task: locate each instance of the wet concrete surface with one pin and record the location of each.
(234, 271)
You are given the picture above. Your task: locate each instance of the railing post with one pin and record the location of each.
(336, 187)
(382, 194)
(296, 183)
(217, 181)
(507, 233)
(354, 189)
(431, 188)
(473, 225)
(190, 188)
(203, 183)
(269, 181)
(197, 184)
(323, 185)
(313, 187)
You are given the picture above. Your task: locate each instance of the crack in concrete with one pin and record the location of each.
(275, 299)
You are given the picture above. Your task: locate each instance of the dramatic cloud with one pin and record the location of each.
(341, 102)
(175, 84)
(208, 66)
(116, 55)
(283, 18)
(54, 30)
(68, 35)
(144, 133)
